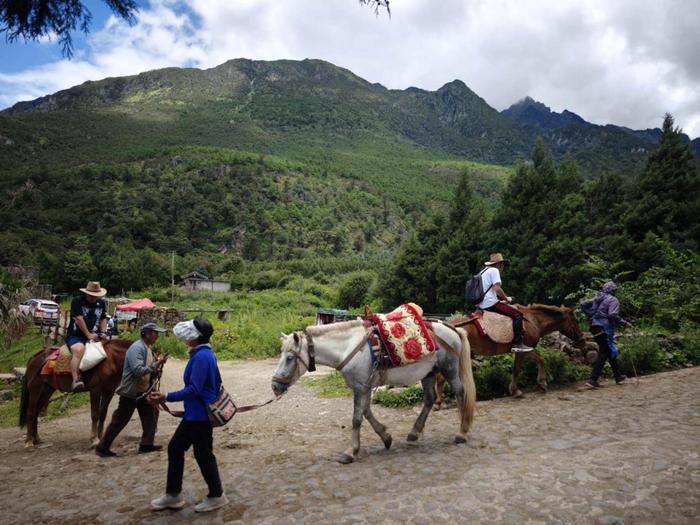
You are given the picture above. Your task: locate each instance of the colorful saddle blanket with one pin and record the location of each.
(58, 362)
(404, 334)
(497, 327)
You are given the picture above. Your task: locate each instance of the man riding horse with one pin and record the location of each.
(491, 282)
(88, 319)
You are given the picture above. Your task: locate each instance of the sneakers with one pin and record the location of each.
(208, 504)
(593, 384)
(78, 386)
(104, 452)
(145, 449)
(168, 501)
(620, 379)
(519, 348)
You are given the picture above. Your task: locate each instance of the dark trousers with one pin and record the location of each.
(198, 434)
(604, 354)
(122, 415)
(515, 315)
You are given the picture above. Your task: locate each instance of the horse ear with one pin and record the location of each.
(296, 337)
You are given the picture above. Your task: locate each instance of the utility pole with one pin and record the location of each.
(172, 278)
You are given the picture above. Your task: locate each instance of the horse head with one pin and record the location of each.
(571, 329)
(293, 363)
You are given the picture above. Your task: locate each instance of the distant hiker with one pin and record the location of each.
(202, 383)
(139, 367)
(88, 319)
(491, 283)
(604, 314)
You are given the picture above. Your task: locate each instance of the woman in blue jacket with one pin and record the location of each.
(202, 384)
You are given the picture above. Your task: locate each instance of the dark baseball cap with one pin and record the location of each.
(151, 327)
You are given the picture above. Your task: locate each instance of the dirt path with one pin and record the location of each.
(627, 454)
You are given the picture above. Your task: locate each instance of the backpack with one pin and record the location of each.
(590, 307)
(474, 290)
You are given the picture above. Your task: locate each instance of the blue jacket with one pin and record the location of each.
(202, 384)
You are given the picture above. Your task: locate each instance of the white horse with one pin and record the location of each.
(343, 346)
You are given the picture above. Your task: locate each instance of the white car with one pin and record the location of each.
(42, 311)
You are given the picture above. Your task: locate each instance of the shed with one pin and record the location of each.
(198, 281)
(331, 315)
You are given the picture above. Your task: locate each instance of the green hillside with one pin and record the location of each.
(261, 161)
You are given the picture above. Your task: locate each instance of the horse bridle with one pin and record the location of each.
(310, 366)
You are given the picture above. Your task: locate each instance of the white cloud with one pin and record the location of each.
(624, 62)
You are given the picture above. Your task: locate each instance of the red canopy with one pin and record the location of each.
(136, 305)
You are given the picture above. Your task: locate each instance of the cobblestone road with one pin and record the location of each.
(621, 454)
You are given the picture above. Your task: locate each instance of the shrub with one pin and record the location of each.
(492, 378)
(355, 288)
(641, 354)
(406, 397)
(270, 279)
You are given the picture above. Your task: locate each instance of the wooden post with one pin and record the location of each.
(172, 278)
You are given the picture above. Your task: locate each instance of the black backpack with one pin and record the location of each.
(474, 290)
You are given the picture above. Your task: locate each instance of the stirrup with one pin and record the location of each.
(521, 348)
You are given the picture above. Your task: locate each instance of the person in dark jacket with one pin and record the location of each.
(139, 366)
(202, 383)
(605, 316)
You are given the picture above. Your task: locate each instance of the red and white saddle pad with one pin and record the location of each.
(404, 334)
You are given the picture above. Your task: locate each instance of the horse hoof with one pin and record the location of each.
(460, 439)
(29, 445)
(387, 442)
(543, 386)
(345, 459)
(437, 406)
(412, 437)
(518, 394)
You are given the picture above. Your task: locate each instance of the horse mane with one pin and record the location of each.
(315, 330)
(547, 308)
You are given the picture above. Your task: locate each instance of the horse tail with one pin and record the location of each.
(24, 402)
(466, 377)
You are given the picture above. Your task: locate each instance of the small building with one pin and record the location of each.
(195, 281)
(332, 315)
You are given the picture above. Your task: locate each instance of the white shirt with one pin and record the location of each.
(489, 278)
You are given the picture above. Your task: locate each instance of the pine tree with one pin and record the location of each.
(461, 254)
(668, 196)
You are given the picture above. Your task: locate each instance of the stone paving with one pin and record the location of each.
(621, 454)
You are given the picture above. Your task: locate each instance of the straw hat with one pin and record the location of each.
(93, 288)
(495, 258)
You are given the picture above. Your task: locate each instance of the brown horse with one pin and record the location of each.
(540, 320)
(101, 382)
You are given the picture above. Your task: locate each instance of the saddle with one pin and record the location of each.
(496, 327)
(403, 334)
(57, 362)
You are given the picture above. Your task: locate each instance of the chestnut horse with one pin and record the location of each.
(101, 382)
(540, 320)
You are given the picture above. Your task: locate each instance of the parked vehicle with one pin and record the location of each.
(41, 310)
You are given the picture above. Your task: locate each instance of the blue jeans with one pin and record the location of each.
(605, 353)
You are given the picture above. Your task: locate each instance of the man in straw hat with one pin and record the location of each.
(88, 318)
(496, 300)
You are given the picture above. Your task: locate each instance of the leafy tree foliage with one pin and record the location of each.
(355, 288)
(31, 19)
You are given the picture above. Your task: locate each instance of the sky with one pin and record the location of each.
(624, 62)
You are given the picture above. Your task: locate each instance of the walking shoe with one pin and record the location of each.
(519, 348)
(620, 379)
(145, 449)
(208, 504)
(104, 452)
(592, 384)
(78, 386)
(168, 501)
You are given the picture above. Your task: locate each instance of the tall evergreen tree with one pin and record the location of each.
(460, 255)
(413, 275)
(668, 196)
